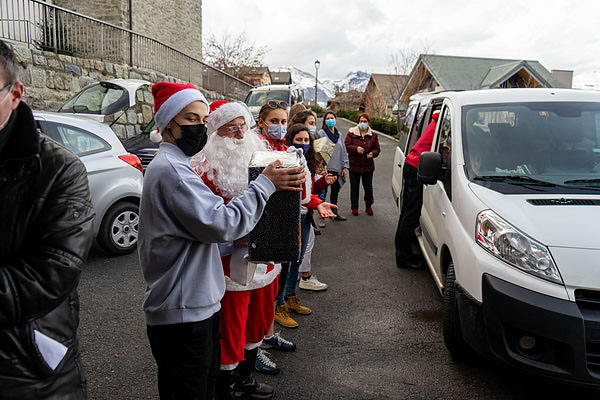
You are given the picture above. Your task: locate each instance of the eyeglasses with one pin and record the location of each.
(8, 86)
(235, 128)
(277, 104)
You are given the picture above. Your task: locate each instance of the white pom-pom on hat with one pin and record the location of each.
(155, 136)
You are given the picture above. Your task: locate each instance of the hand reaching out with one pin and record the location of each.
(325, 210)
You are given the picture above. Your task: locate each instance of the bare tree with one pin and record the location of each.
(401, 64)
(233, 54)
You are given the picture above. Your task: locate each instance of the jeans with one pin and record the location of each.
(289, 287)
(188, 358)
(335, 189)
(367, 182)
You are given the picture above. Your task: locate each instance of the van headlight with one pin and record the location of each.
(515, 248)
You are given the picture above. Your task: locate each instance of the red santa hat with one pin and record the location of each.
(223, 111)
(170, 98)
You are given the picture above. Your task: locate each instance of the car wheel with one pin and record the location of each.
(453, 338)
(119, 229)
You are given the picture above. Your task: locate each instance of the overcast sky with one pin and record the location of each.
(348, 35)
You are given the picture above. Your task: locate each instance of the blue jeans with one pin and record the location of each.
(292, 276)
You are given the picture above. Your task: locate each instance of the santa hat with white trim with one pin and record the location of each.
(223, 111)
(170, 98)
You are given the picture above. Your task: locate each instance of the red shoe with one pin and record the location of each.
(355, 212)
(369, 211)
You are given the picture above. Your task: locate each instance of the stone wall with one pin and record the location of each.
(177, 23)
(51, 79)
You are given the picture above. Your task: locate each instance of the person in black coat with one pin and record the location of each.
(45, 236)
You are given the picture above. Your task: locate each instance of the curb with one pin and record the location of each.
(377, 132)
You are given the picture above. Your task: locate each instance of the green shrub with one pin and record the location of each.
(384, 125)
(318, 110)
(352, 115)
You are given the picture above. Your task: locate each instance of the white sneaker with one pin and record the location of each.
(312, 283)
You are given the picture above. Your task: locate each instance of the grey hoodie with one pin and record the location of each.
(181, 222)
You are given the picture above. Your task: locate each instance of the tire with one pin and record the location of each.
(119, 229)
(452, 332)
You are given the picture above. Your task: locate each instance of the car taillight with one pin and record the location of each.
(132, 160)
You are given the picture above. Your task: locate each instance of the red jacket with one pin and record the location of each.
(359, 163)
(423, 144)
(275, 144)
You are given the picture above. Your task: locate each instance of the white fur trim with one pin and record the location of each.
(261, 279)
(227, 112)
(174, 104)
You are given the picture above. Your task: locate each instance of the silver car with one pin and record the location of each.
(115, 176)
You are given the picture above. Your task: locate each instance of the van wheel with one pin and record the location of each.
(119, 229)
(453, 338)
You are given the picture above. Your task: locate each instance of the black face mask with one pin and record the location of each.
(193, 138)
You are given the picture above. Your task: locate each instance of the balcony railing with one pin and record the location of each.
(48, 27)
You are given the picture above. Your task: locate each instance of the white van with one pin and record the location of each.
(511, 208)
(258, 96)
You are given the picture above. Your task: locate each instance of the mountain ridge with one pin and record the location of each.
(356, 80)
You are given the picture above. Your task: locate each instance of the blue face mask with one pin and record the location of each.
(363, 126)
(312, 129)
(276, 131)
(305, 147)
(330, 123)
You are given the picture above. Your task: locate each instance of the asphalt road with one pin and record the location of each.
(374, 334)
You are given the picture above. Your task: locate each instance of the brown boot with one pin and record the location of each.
(283, 318)
(293, 304)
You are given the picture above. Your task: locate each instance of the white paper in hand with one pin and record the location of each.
(52, 351)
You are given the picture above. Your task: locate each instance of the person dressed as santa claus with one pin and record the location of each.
(247, 307)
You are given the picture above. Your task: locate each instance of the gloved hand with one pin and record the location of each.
(293, 149)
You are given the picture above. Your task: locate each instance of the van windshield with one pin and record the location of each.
(546, 143)
(101, 98)
(257, 98)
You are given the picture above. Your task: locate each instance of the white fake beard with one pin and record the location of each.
(225, 161)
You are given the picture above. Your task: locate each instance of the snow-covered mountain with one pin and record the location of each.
(326, 89)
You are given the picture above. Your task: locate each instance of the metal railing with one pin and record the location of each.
(48, 27)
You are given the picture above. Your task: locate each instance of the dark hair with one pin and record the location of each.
(289, 140)
(8, 64)
(295, 109)
(302, 116)
(365, 116)
(325, 114)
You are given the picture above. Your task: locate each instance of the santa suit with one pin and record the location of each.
(246, 310)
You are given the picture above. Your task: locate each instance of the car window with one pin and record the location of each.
(444, 145)
(257, 98)
(79, 141)
(556, 142)
(102, 98)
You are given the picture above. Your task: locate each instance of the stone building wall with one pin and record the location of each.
(162, 20)
(51, 79)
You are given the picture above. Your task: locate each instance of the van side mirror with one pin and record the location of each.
(430, 167)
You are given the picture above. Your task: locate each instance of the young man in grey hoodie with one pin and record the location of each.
(181, 222)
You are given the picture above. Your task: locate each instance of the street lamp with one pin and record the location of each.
(317, 65)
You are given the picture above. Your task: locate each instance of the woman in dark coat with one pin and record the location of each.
(362, 145)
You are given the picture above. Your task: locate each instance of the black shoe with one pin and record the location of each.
(415, 263)
(339, 217)
(249, 387)
(317, 231)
